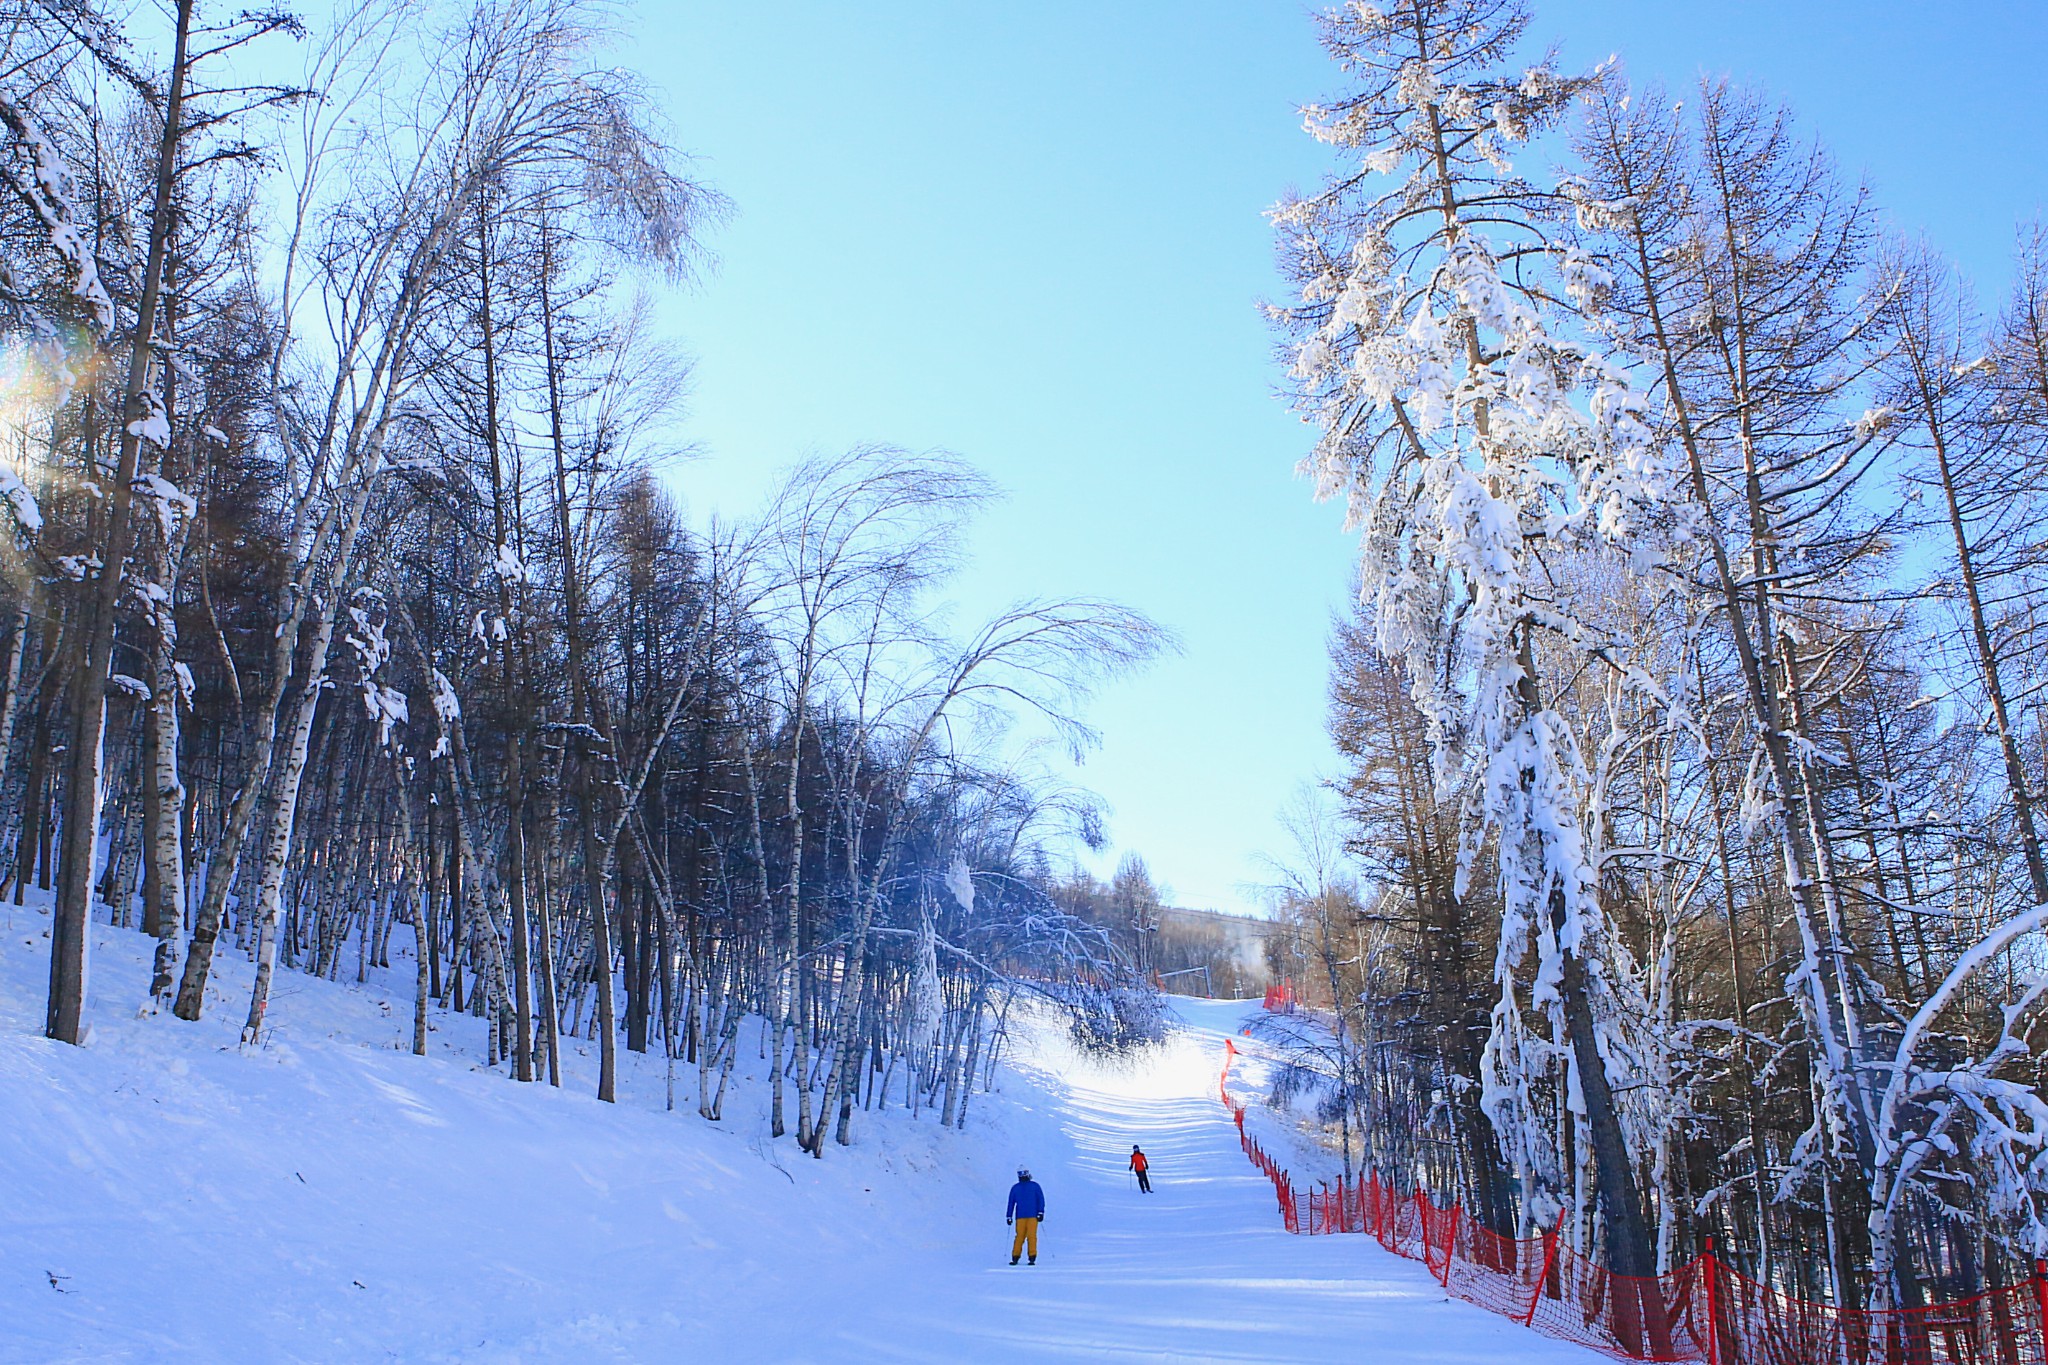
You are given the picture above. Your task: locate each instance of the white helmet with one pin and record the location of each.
(1023, 1173)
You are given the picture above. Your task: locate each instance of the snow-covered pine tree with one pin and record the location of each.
(1481, 441)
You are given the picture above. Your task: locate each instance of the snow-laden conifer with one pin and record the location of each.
(1443, 344)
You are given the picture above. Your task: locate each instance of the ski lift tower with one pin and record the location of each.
(1208, 986)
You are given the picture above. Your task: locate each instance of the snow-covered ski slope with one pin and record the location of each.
(170, 1197)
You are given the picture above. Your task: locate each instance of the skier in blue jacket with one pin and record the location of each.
(1025, 1212)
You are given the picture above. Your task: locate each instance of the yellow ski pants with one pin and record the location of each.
(1027, 1235)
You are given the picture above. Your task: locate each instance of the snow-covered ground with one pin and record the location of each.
(329, 1197)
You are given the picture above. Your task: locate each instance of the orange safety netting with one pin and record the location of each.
(1703, 1311)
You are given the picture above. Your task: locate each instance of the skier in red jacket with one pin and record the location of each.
(1140, 1165)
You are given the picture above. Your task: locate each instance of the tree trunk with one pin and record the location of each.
(35, 803)
(1745, 1074)
(71, 917)
(1629, 1248)
(10, 683)
(515, 895)
(583, 711)
(1980, 637)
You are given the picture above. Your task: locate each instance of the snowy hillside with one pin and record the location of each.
(332, 1198)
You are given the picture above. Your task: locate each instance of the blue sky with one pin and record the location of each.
(1031, 234)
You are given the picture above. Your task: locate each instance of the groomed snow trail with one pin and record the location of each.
(1200, 1270)
(170, 1196)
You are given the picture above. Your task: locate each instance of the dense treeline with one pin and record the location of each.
(1692, 714)
(343, 605)
(1189, 952)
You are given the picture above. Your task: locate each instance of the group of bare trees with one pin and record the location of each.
(1186, 952)
(1693, 710)
(344, 608)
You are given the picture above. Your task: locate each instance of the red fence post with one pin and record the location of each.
(1451, 1243)
(2041, 1302)
(1543, 1275)
(1713, 1307)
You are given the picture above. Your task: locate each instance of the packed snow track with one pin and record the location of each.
(172, 1197)
(1200, 1270)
